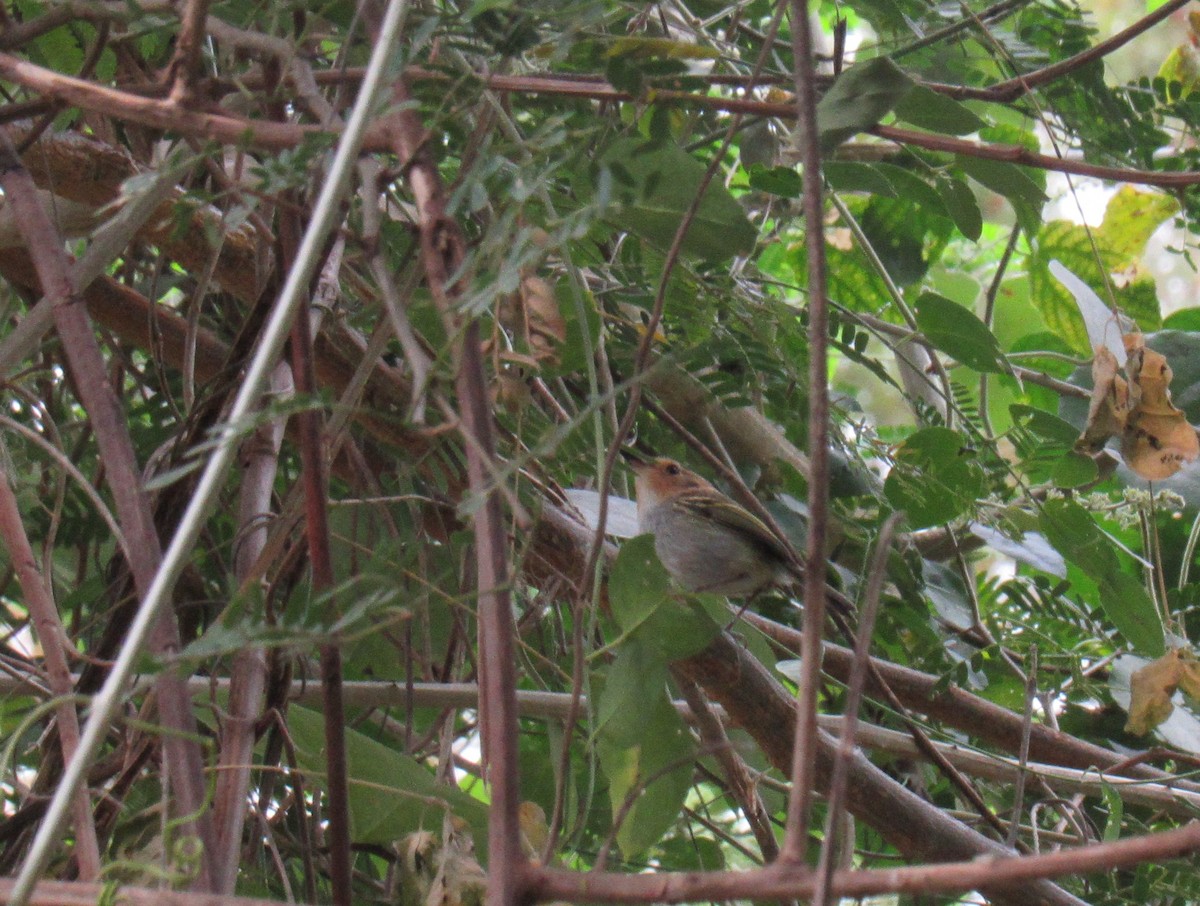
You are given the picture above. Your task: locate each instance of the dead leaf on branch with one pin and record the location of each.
(1156, 438)
(1109, 404)
(535, 333)
(1151, 688)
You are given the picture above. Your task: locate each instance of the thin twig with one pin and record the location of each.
(737, 776)
(248, 673)
(185, 62)
(442, 252)
(54, 642)
(804, 746)
(868, 608)
(1023, 755)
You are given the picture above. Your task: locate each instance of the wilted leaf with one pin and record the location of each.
(1031, 548)
(545, 328)
(1109, 404)
(1104, 328)
(1157, 439)
(535, 830)
(1150, 690)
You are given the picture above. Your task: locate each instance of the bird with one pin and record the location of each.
(706, 541)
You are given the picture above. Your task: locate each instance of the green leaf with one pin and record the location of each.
(646, 605)
(1075, 247)
(852, 176)
(636, 675)
(652, 770)
(957, 332)
(859, 98)
(913, 188)
(1074, 470)
(946, 590)
(782, 181)
(1047, 426)
(1047, 449)
(643, 47)
(935, 477)
(1187, 319)
(906, 239)
(391, 794)
(1074, 534)
(928, 109)
(638, 582)
(1116, 811)
(1181, 66)
(1131, 610)
(963, 207)
(655, 186)
(1003, 178)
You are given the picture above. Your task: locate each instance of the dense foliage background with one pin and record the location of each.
(575, 226)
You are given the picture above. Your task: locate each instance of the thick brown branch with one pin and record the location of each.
(1009, 879)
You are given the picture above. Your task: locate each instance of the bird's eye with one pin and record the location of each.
(672, 469)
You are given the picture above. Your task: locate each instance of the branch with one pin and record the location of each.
(270, 135)
(185, 766)
(54, 643)
(803, 767)
(1010, 879)
(442, 249)
(1015, 87)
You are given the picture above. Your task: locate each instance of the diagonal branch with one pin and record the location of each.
(442, 256)
(185, 766)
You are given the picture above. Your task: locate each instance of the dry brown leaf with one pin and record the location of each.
(1109, 404)
(1189, 674)
(545, 328)
(511, 390)
(1157, 439)
(533, 322)
(1150, 691)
